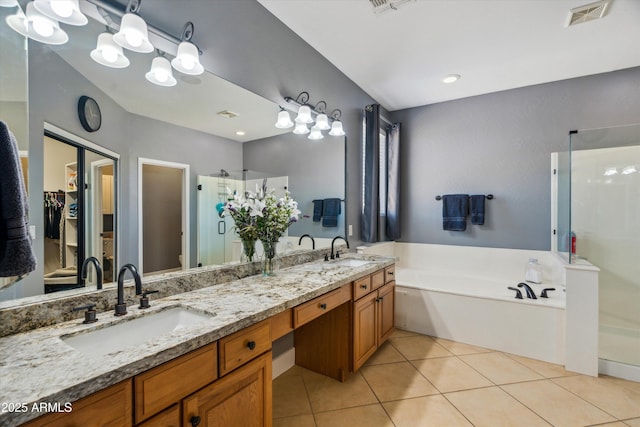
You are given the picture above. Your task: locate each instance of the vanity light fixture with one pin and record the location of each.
(66, 11)
(108, 52)
(8, 3)
(160, 73)
(37, 26)
(301, 129)
(284, 119)
(451, 78)
(316, 133)
(306, 116)
(133, 34)
(336, 125)
(187, 60)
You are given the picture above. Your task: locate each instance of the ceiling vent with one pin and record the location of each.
(380, 6)
(587, 13)
(227, 114)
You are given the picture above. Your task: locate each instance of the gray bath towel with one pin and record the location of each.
(16, 253)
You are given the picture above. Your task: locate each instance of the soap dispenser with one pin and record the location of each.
(533, 271)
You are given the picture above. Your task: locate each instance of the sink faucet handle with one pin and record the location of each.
(337, 254)
(89, 315)
(518, 293)
(544, 292)
(144, 300)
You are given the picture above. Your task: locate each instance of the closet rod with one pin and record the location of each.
(488, 197)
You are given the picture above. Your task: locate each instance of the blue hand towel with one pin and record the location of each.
(16, 254)
(477, 209)
(317, 210)
(330, 212)
(455, 208)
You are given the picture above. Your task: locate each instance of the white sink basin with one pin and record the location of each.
(351, 262)
(134, 332)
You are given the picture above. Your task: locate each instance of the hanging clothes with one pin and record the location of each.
(53, 208)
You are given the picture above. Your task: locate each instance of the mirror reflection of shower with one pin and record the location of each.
(218, 243)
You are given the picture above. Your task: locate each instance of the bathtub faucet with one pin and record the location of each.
(528, 290)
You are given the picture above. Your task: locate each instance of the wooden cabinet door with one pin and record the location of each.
(239, 399)
(110, 407)
(364, 329)
(386, 312)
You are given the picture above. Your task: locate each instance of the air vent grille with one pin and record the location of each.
(227, 114)
(380, 6)
(587, 13)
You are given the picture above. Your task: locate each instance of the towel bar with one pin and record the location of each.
(488, 197)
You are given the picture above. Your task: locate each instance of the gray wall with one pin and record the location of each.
(501, 143)
(315, 170)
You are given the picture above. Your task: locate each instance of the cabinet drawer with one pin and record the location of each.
(108, 407)
(305, 313)
(281, 324)
(242, 346)
(159, 387)
(377, 279)
(390, 274)
(361, 287)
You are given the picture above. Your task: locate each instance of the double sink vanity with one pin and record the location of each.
(201, 357)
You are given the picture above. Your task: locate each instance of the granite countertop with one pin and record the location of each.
(38, 367)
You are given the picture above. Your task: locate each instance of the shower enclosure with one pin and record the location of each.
(598, 220)
(217, 241)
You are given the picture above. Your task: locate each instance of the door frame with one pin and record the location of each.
(186, 209)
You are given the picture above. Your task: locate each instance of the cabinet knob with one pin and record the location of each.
(391, 273)
(323, 306)
(251, 345)
(363, 286)
(195, 421)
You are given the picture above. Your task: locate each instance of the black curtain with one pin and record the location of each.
(369, 220)
(393, 181)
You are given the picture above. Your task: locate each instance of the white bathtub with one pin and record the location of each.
(452, 294)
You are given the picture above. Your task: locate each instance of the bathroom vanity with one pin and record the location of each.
(215, 370)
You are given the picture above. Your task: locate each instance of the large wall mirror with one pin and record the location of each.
(197, 122)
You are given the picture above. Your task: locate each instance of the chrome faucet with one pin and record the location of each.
(333, 241)
(83, 274)
(121, 307)
(528, 290)
(313, 242)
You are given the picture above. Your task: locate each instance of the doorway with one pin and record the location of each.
(163, 216)
(76, 201)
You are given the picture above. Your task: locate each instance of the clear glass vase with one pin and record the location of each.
(248, 250)
(270, 262)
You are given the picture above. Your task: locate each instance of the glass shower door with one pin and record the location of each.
(605, 217)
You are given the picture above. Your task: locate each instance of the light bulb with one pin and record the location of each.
(63, 8)
(134, 38)
(284, 120)
(109, 54)
(42, 27)
(161, 76)
(188, 63)
(301, 129)
(315, 133)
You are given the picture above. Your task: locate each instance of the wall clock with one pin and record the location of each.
(89, 114)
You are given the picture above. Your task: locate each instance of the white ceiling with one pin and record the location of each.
(400, 57)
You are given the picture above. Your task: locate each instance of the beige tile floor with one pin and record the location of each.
(419, 381)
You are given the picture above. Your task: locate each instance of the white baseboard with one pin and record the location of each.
(619, 370)
(283, 362)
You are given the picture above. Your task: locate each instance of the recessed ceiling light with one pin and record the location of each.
(240, 133)
(451, 78)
